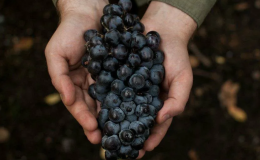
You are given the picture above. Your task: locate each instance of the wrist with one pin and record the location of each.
(169, 20)
(88, 8)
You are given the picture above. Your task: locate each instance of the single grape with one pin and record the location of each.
(157, 103)
(138, 143)
(149, 97)
(116, 115)
(158, 67)
(112, 143)
(126, 136)
(148, 64)
(104, 78)
(124, 72)
(94, 67)
(156, 77)
(146, 54)
(126, 38)
(110, 64)
(111, 155)
(138, 27)
(120, 52)
(153, 39)
(142, 110)
(113, 9)
(128, 107)
(124, 151)
(144, 71)
(136, 81)
(134, 60)
(104, 138)
(140, 99)
(101, 88)
(147, 86)
(158, 57)
(131, 118)
(98, 52)
(112, 100)
(146, 134)
(101, 96)
(117, 86)
(89, 34)
(111, 128)
(115, 22)
(112, 37)
(91, 91)
(104, 20)
(153, 111)
(96, 40)
(125, 4)
(127, 94)
(128, 20)
(138, 41)
(124, 124)
(102, 117)
(147, 121)
(154, 90)
(137, 127)
(134, 154)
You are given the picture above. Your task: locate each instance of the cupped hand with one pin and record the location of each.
(175, 28)
(64, 52)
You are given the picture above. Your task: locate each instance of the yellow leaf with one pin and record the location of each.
(237, 113)
(24, 44)
(52, 99)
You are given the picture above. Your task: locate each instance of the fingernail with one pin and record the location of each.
(166, 117)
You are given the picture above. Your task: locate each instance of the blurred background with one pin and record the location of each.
(221, 120)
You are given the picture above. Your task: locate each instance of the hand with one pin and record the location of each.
(64, 52)
(175, 28)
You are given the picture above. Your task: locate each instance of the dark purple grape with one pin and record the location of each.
(146, 134)
(129, 20)
(144, 71)
(112, 37)
(104, 20)
(156, 77)
(147, 86)
(128, 107)
(111, 128)
(96, 40)
(147, 121)
(117, 86)
(134, 154)
(157, 103)
(153, 39)
(126, 38)
(137, 127)
(148, 64)
(115, 22)
(94, 67)
(89, 34)
(124, 124)
(113, 9)
(91, 91)
(158, 57)
(112, 143)
(136, 81)
(138, 41)
(142, 110)
(104, 138)
(104, 78)
(110, 64)
(125, 4)
(153, 111)
(138, 143)
(98, 52)
(127, 94)
(112, 100)
(101, 97)
(149, 97)
(140, 99)
(124, 151)
(126, 136)
(134, 60)
(101, 88)
(138, 27)
(116, 115)
(102, 118)
(146, 54)
(111, 155)
(154, 90)
(131, 118)
(158, 67)
(120, 52)
(124, 72)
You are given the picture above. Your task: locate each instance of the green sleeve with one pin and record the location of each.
(197, 9)
(55, 2)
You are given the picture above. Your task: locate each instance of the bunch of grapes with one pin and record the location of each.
(127, 67)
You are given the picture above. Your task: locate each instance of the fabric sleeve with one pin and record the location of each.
(55, 2)
(197, 9)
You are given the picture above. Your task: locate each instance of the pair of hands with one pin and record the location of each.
(66, 47)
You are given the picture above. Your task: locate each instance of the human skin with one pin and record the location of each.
(66, 47)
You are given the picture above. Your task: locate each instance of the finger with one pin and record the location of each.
(93, 136)
(177, 97)
(81, 112)
(157, 134)
(141, 154)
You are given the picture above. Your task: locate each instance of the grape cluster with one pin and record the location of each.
(127, 67)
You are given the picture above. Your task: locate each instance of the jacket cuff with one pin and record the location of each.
(55, 2)
(197, 9)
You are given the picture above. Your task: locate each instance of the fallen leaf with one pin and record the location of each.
(52, 99)
(23, 44)
(228, 99)
(4, 134)
(241, 6)
(193, 155)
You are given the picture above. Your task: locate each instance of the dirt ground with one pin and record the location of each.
(225, 48)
